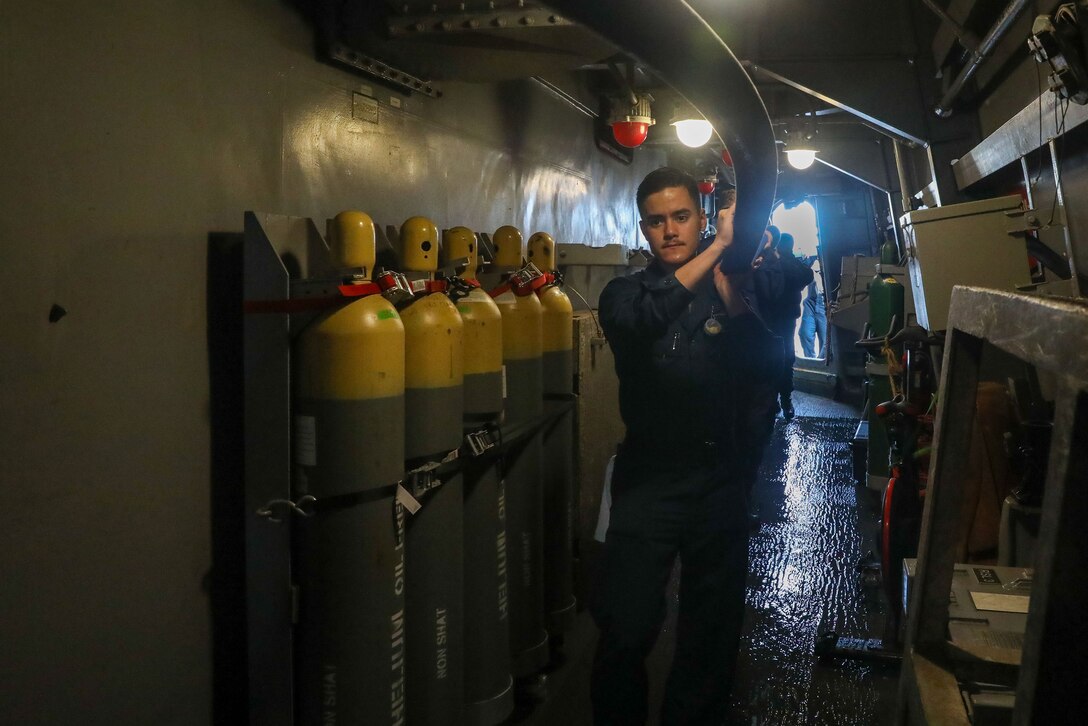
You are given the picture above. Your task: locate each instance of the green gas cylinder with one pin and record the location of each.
(885, 306)
(889, 252)
(885, 319)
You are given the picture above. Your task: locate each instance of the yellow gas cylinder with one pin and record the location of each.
(509, 247)
(434, 402)
(488, 692)
(523, 404)
(348, 439)
(558, 363)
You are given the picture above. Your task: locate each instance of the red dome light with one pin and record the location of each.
(706, 187)
(726, 158)
(630, 133)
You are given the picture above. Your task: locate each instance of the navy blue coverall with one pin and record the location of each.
(698, 400)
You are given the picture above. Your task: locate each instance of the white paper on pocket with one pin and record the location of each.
(606, 502)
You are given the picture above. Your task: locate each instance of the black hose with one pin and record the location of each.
(671, 38)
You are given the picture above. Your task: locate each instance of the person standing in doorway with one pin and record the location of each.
(814, 314)
(781, 314)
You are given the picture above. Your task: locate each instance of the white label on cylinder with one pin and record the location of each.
(305, 441)
(407, 500)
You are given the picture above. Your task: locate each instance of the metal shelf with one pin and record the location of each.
(1052, 335)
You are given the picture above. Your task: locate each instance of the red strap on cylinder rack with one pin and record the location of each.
(533, 285)
(426, 287)
(523, 282)
(361, 289)
(549, 279)
(505, 287)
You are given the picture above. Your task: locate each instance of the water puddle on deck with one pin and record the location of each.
(804, 580)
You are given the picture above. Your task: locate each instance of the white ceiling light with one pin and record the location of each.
(800, 159)
(693, 132)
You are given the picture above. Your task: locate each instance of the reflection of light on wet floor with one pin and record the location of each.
(803, 580)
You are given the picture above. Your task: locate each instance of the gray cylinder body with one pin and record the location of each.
(525, 518)
(349, 564)
(489, 696)
(434, 608)
(558, 476)
(434, 564)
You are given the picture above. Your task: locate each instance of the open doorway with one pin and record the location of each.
(799, 220)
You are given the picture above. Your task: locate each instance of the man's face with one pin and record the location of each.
(672, 222)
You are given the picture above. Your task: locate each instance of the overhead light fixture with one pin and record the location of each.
(800, 132)
(800, 159)
(631, 128)
(693, 132)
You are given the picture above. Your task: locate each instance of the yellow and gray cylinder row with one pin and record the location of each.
(483, 330)
(558, 382)
(488, 686)
(522, 343)
(434, 404)
(380, 391)
(348, 438)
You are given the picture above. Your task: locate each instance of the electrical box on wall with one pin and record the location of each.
(962, 244)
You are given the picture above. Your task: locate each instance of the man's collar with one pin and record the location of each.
(656, 271)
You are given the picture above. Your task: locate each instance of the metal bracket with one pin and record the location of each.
(276, 510)
(1022, 221)
(527, 279)
(384, 72)
(407, 26)
(480, 441)
(421, 480)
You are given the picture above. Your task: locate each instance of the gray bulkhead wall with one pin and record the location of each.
(130, 132)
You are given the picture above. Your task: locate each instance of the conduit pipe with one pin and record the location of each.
(978, 56)
(670, 37)
(965, 38)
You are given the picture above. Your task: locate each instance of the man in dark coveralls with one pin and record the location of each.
(697, 398)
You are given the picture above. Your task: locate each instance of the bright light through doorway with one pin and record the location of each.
(800, 221)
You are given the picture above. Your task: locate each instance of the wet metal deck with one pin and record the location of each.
(816, 527)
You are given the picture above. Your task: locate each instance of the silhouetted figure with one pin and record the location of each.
(781, 312)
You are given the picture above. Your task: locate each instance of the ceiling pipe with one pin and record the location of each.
(671, 38)
(966, 39)
(978, 56)
(887, 129)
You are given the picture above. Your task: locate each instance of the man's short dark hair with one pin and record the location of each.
(785, 244)
(666, 177)
(776, 235)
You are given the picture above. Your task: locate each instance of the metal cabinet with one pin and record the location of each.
(962, 244)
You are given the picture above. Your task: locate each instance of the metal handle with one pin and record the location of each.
(275, 510)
